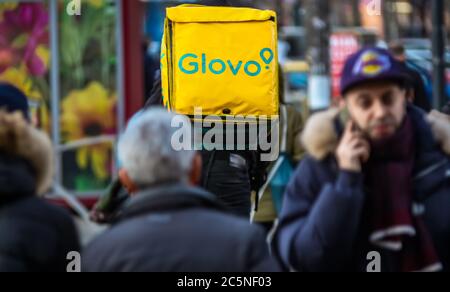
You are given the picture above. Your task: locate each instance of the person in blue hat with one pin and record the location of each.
(12, 99)
(369, 195)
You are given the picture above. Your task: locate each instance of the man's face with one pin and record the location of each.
(377, 108)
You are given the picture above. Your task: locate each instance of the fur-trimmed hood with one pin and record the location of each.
(320, 136)
(20, 139)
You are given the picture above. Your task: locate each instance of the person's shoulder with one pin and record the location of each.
(39, 211)
(312, 165)
(231, 228)
(311, 174)
(57, 212)
(152, 231)
(32, 218)
(113, 244)
(216, 216)
(221, 221)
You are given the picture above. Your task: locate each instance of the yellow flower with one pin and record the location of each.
(44, 118)
(19, 78)
(96, 3)
(44, 54)
(8, 6)
(89, 113)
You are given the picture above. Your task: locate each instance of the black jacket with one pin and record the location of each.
(178, 228)
(34, 236)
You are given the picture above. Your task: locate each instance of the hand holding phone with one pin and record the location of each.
(353, 149)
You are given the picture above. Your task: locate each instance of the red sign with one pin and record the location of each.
(342, 45)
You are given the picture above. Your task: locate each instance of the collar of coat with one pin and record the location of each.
(322, 131)
(20, 139)
(169, 197)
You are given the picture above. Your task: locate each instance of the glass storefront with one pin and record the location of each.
(69, 74)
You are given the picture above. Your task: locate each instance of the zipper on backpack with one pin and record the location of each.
(170, 70)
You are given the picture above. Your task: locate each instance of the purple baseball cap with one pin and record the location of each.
(370, 64)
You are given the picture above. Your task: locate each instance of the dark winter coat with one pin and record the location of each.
(177, 228)
(322, 225)
(34, 235)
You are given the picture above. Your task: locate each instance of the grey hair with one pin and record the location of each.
(146, 152)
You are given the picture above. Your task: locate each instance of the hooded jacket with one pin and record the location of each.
(321, 226)
(34, 236)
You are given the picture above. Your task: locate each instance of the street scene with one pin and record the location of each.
(225, 136)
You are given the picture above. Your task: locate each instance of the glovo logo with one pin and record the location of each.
(193, 64)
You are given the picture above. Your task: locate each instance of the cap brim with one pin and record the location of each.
(398, 78)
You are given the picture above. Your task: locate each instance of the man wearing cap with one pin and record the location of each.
(373, 192)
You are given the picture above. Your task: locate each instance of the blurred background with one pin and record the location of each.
(87, 74)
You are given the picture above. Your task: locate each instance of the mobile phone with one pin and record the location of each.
(344, 117)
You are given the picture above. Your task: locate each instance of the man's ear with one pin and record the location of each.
(127, 182)
(195, 174)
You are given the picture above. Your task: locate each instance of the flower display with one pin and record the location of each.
(23, 32)
(89, 113)
(87, 79)
(7, 6)
(20, 79)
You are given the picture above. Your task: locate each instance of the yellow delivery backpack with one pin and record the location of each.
(222, 60)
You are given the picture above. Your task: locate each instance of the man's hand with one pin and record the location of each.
(353, 149)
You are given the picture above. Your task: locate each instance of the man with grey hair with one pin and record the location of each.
(147, 154)
(169, 224)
